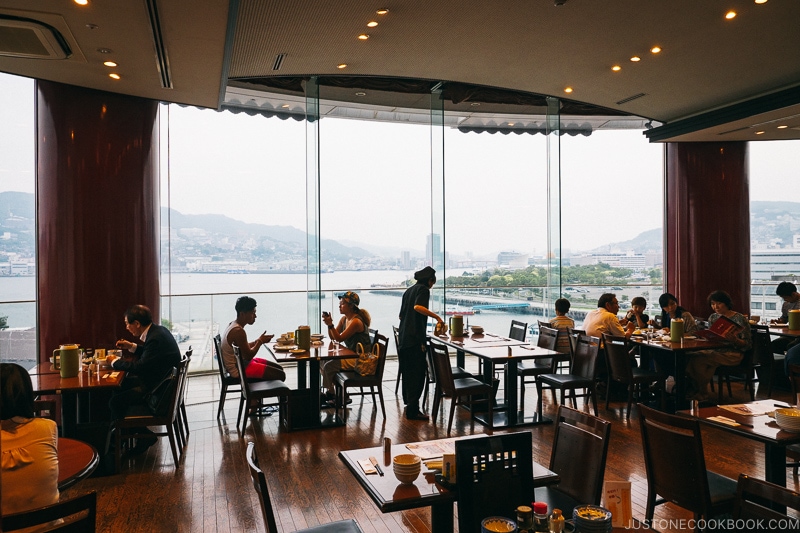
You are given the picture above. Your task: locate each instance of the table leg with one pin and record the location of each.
(460, 358)
(511, 392)
(301, 374)
(680, 381)
(442, 518)
(69, 414)
(775, 464)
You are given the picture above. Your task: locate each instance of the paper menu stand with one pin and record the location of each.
(617, 499)
(449, 467)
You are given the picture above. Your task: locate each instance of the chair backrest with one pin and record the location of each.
(757, 499)
(619, 361)
(674, 460)
(494, 476)
(383, 345)
(573, 334)
(762, 347)
(443, 372)
(548, 337)
(373, 335)
(182, 376)
(65, 508)
(396, 332)
(260, 484)
(223, 374)
(584, 361)
(580, 435)
(518, 330)
(242, 376)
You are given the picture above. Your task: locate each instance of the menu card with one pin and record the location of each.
(429, 450)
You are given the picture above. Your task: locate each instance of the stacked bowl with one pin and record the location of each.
(406, 467)
(788, 419)
(592, 519)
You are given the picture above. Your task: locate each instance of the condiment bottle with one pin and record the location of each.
(540, 517)
(556, 521)
(524, 519)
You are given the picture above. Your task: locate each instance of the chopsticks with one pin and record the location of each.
(376, 465)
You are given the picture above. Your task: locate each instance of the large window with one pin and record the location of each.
(774, 222)
(17, 221)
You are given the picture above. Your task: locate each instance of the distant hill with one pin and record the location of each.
(16, 204)
(647, 241)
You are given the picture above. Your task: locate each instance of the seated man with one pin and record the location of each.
(255, 369)
(150, 364)
(604, 319)
(791, 300)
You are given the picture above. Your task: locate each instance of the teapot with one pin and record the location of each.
(457, 326)
(67, 359)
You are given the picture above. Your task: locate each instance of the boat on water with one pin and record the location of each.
(463, 312)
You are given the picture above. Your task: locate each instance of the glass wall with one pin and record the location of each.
(17, 221)
(774, 223)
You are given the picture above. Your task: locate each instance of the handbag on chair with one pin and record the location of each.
(367, 362)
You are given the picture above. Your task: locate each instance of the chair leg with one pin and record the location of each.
(593, 394)
(453, 403)
(728, 382)
(539, 399)
(223, 393)
(631, 386)
(118, 450)
(383, 409)
(171, 436)
(185, 418)
(239, 415)
(608, 391)
(397, 383)
(245, 414)
(719, 388)
(437, 400)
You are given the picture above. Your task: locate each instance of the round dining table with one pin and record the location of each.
(76, 461)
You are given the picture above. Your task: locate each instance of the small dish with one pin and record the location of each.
(283, 347)
(690, 337)
(298, 350)
(477, 330)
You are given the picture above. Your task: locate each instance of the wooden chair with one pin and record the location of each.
(460, 391)
(793, 450)
(578, 435)
(562, 365)
(346, 379)
(757, 500)
(183, 420)
(770, 363)
(79, 515)
(253, 392)
(676, 467)
(745, 370)
(260, 484)
(622, 371)
(142, 419)
(45, 409)
(518, 330)
(573, 334)
(225, 379)
(494, 475)
(548, 337)
(581, 374)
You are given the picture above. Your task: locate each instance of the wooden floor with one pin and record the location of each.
(210, 490)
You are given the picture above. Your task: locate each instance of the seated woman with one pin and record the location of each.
(702, 365)
(352, 330)
(671, 310)
(255, 369)
(29, 457)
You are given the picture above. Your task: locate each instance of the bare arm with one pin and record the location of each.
(248, 350)
(421, 309)
(342, 333)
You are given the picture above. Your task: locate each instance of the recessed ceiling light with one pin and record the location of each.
(110, 64)
(567, 89)
(761, 1)
(475, 104)
(616, 68)
(371, 24)
(655, 49)
(730, 15)
(92, 26)
(759, 133)
(341, 65)
(114, 76)
(511, 123)
(636, 58)
(81, 2)
(382, 11)
(363, 37)
(285, 106)
(361, 93)
(784, 126)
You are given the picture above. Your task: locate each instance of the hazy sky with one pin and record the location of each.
(376, 177)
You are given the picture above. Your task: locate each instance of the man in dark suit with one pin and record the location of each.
(147, 367)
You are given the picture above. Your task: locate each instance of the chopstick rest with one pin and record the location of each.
(367, 467)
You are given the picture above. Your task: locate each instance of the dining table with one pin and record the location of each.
(389, 495)
(752, 421)
(463, 344)
(678, 353)
(76, 461)
(305, 401)
(75, 392)
(782, 330)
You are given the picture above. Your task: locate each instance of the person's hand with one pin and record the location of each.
(631, 326)
(326, 318)
(264, 338)
(124, 345)
(110, 359)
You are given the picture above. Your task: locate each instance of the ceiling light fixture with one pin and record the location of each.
(761, 1)
(341, 65)
(371, 24)
(361, 93)
(760, 132)
(104, 50)
(285, 106)
(636, 59)
(363, 37)
(784, 126)
(730, 15)
(81, 2)
(655, 49)
(475, 104)
(567, 89)
(382, 11)
(110, 64)
(511, 123)
(114, 76)
(616, 68)
(92, 26)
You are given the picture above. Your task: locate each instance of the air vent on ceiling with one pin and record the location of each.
(162, 58)
(631, 98)
(31, 39)
(278, 63)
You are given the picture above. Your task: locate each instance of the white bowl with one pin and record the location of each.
(788, 419)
